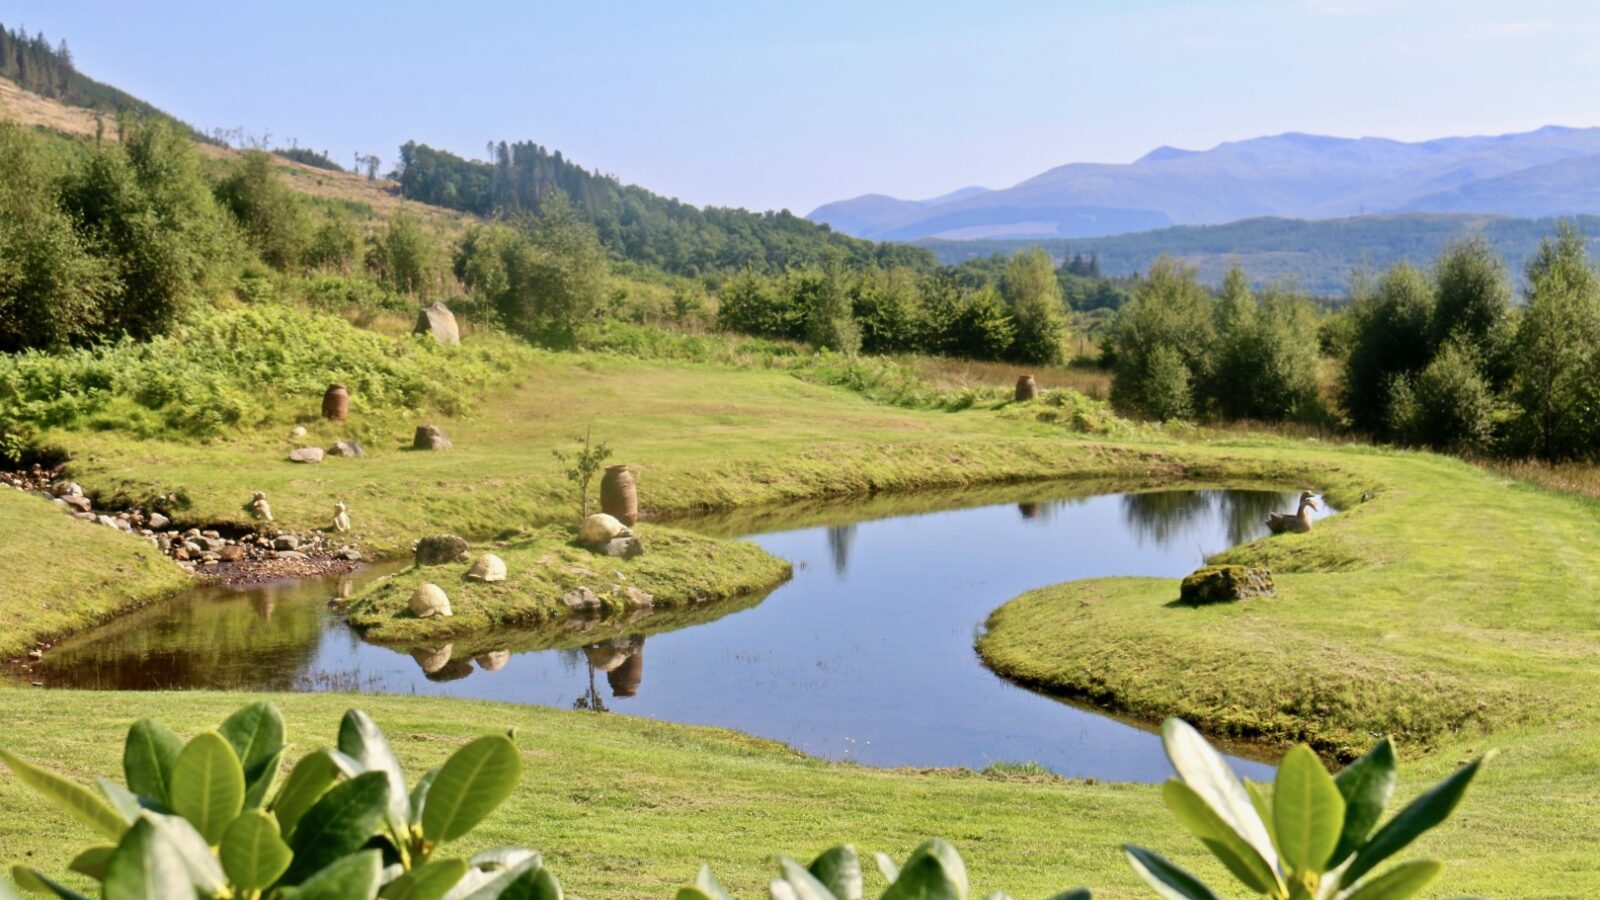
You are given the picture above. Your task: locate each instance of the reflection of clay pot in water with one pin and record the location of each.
(432, 660)
(605, 657)
(1028, 510)
(493, 661)
(619, 496)
(624, 679)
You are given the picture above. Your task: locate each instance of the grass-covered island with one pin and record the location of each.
(677, 569)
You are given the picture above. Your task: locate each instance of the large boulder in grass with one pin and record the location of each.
(1225, 584)
(438, 322)
(600, 528)
(440, 549)
(429, 600)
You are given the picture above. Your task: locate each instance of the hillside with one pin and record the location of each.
(1538, 173)
(1318, 256)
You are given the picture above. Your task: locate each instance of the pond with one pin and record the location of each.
(866, 655)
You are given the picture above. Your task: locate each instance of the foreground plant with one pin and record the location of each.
(1308, 834)
(195, 819)
(934, 871)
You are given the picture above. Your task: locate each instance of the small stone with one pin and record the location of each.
(36, 654)
(157, 522)
(106, 521)
(348, 553)
(231, 553)
(214, 544)
(599, 528)
(581, 598)
(429, 600)
(193, 547)
(306, 455)
(347, 448)
(180, 553)
(211, 556)
(286, 542)
(208, 533)
(633, 597)
(1223, 584)
(440, 549)
(299, 431)
(66, 489)
(627, 547)
(288, 554)
(487, 567)
(430, 437)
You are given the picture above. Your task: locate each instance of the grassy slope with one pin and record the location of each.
(61, 574)
(679, 569)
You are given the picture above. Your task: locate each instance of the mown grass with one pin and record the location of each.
(677, 569)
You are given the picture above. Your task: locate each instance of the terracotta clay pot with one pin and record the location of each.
(625, 679)
(336, 403)
(619, 496)
(1027, 388)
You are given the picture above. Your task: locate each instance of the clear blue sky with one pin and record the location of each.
(792, 104)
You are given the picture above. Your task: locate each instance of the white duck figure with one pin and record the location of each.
(341, 518)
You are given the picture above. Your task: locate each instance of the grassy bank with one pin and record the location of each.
(678, 569)
(625, 807)
(64, 575)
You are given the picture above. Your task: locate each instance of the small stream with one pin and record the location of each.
(866, 655)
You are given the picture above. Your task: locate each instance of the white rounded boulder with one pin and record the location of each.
(487, 567)
(599, 528)
(429, 600)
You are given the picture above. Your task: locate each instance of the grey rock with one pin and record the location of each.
(78, 502)
(288, 554)
(85, 516)
(66, 489)
(626, 547)
(581, 598)
(306, 455)
(347, 449)
(212, 544)
(156, 521)
(430, 437)
(106, 521)
(348, 553)
(286, 542)
(231, 553)
(438, 321)
(440, 549)
(193, 547)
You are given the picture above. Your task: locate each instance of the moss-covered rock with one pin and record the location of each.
(1224, 584)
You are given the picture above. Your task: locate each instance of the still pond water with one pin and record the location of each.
(867, 654)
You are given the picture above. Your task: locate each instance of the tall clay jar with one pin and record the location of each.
(1027, 388)
(336, 403)
(619, 496)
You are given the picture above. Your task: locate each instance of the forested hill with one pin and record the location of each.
(1316, 256)
(35, 65)
(635, 223)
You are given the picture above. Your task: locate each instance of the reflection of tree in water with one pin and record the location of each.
(1161, 516)
(1245, 512)
(840, 537)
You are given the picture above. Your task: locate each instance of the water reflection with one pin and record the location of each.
(866, 654)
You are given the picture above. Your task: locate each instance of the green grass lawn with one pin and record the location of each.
(1453, 608)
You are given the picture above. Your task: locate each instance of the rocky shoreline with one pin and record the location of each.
(229, 554)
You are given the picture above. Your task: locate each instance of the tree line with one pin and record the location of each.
(633, 223)
(1442, 358)
(48, 70)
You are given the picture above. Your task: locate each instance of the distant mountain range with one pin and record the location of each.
(1554, 171)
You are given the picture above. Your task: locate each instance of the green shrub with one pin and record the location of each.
(1308, 834)
(202, 818)
(271, 213)
(934, 871)
(1037, 310)
(1449, 406)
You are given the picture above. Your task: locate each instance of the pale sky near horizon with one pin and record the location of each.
(793, 104)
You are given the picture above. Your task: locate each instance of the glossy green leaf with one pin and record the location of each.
(353, 877)
(148, 755)
(1399, 883)
(1169, 881)
(499, 884)
(472, 782)
(83, 804)
(7, 892)
(35, 881)
(307, 782)
(1203, 769)
(949, 861)
(258, 779)
(429, 881)
(1223, 842)
(253, 853)
(362, 740)
(706, 883)
(805, 885)
(839, 869)
(121, 799)
(203, 868)
(145, 866)
(1307, 811)
(690, 892)
(255, 733)
(1074, 894)
(925, 876)
(1261, 800)
(419, 795)
(338, 824)
(208, 785)
(886, 866)
(1432, 807)
(1366, 785)
(498, 859)
(93, 861)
